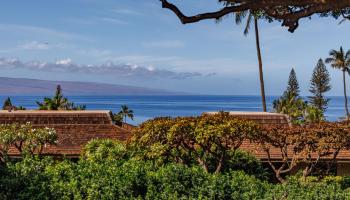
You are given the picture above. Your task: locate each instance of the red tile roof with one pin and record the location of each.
(261, 118)
(74, 128)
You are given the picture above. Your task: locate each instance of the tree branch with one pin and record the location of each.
(288, 11)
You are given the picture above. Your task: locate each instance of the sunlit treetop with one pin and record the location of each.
(289, 12)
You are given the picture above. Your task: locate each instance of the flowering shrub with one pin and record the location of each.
(25, 138)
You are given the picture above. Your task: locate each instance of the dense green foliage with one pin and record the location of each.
(46, 179)
(35, 178)
(320, 84)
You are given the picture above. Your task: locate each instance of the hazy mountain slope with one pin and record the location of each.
(23, 86)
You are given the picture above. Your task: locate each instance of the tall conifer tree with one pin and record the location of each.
(290, 103)
(7, 104)
(320, 84)
(293, 85)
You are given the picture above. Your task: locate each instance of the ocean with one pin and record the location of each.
(147, 107)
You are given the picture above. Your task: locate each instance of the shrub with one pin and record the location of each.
(33, 178)
(25, 179)
(295, 189)
(25, 138)
(99, 150)
(206, 140)
(244, 161)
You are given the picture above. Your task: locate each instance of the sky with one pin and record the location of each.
(138, 43)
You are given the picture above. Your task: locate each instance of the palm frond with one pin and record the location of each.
(329, 60)
(333, 53)
(347, 55)
(247, 26)
(342, 21)
(239, 16)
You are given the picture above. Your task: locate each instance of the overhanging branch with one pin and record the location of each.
(287, 11)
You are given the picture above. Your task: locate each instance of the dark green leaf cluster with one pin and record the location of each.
(35, 178)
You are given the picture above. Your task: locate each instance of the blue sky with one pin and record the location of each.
(139, 43)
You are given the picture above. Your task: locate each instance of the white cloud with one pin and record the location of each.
(113, 20)
(119, 70)
(26, 29)
(34, 45)
(224, 66)
(67, 61)
(164, 44)
(125, 11)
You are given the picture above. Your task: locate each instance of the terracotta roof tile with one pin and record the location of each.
(74, 128)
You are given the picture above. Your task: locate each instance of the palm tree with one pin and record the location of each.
(125, 112)
(59, 102)
(239, 17)
(341, 60)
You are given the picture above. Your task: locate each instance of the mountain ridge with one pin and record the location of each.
(29, 86)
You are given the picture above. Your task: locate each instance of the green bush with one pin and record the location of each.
(181, 182)
(244, 161)
(100, 150)
(107, 171)
(25, 179)
(295, 189)
(35, 178)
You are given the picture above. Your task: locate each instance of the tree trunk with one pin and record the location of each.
(261, 74)
(279, 177)
(306, 172)
(345, 96)
(220, 164)
(203, 164)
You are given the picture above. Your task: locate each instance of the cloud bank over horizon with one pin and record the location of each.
(108, 68)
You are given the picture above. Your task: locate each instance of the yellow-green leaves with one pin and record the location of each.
(205, 140)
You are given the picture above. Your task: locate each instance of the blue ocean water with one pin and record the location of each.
(147, 107)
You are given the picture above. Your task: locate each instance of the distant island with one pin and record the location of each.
(31, 87)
